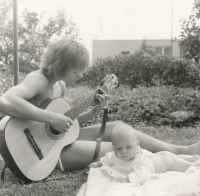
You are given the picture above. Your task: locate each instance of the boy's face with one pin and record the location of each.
(125, 147)
(72, 76)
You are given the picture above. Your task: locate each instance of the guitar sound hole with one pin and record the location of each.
(53, 131)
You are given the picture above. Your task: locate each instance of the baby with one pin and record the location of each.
(139, 165)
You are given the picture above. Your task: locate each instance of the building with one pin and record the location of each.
(105, 48)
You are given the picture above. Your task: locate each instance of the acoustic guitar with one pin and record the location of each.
(31, 149)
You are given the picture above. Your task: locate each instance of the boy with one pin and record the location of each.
(139, 165)
(63, 62)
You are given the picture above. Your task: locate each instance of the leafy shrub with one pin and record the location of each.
(143, 69)
(154, 105)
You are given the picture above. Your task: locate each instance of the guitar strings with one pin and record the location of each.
(74, 112)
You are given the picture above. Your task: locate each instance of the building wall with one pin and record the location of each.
(105, 48)
(176, 50)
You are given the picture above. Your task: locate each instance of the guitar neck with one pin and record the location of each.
(74, 112)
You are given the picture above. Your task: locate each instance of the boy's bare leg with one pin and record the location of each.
(193, 149)
(80, 153)
(147, 142)
(91, 133)
(155, 145)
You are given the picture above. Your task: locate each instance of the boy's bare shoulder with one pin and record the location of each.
(36, 76)
(35, 83)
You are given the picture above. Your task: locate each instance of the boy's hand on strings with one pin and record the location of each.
(103, 101)
(61, 123)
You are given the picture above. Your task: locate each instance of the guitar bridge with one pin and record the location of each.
(33, 143)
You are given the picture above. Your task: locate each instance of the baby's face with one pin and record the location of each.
(125, 148)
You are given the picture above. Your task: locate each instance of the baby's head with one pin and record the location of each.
(124, 141)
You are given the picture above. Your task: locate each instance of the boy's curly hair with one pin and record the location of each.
(63, 54)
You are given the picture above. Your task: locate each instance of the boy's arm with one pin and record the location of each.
(14, 103)
(88, 115)
(95, 110)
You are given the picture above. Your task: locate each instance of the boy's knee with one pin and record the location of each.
(115, 123)
(118, 122)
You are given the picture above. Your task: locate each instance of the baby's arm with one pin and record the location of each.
(142, 170)
(157, 176)
(123, 180)
(139, 176)
(95, 164)
(107, 160)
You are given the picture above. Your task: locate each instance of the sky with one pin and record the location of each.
(119, 19)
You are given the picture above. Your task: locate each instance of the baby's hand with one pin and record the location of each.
(154, 177)
(123, 180)
(196, 164)
(94, 165)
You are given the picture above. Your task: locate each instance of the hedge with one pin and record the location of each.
(143, 69)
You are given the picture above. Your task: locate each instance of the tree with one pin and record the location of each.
(58, 25)
(6, 34)
(190, 35)
(30, 44)
(34, 35)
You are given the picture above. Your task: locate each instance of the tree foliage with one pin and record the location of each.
(190, 35)
(5, 33)
(34, 31)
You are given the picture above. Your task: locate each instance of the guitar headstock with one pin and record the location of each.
(110, 82)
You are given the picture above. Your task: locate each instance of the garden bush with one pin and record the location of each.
(143, 69)
(153, 106)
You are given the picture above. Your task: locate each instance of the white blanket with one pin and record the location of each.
(170, 184)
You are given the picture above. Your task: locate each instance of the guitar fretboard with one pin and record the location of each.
(74, 112)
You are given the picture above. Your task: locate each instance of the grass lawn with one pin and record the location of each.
(69, 182)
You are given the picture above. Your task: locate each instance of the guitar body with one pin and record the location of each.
(18, 152)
